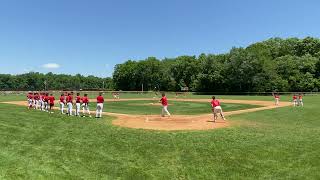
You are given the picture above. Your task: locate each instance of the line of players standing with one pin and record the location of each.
(45, 102)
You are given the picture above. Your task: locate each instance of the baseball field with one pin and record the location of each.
(131, 141)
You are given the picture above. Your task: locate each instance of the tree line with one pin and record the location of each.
(34, 81)
(273, 65)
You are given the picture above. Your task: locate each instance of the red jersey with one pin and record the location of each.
(51, 99)
(294, 97)
(30, 96)
(62, 99)
(78, 99)
(276, 96)
(69, 99)
(164, 101)
(215, 103)
(36, 97)
(85, 100)
(41, 97)
(100, 99)
(45, 98)
(300, 97)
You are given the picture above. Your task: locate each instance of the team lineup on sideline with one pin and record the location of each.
(45, 102)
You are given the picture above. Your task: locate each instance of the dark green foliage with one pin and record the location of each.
(274, 65)
(50, 81)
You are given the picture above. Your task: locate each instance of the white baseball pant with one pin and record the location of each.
(85, 108)
(165, 110)
(78, 105)
(69, 104)
(62, 107)
(99, 110)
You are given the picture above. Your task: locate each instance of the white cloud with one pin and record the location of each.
(51, 66)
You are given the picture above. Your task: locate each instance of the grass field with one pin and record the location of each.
(280, 143)
(175, 107)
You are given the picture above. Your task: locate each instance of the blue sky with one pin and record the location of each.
(91, 36)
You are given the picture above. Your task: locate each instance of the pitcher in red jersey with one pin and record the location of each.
(164, 102)
(216, 108)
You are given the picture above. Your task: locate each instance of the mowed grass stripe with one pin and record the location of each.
(142, 107)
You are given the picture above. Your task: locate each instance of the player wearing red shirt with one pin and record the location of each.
(41, 101)
(70, 104)
(164, 102)
(100, 101)
(216, 108)
(85, 105)
(51, 100)
(36, 100)
(30, 100)
(276, 99)
(294, 100)
(300, 100)
(46, 102)
(62, 102)
(78, 104)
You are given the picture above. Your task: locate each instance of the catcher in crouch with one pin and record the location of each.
(216, 108)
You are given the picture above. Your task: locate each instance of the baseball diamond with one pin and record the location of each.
(170, 89)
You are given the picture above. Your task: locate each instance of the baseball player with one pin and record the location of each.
(29, 100)
(85, 105)
(276, 99)
(62, 102)
(294, 100)
(69, 104)
(164, 102)
(216, 108)
(36, 100)
(78, 104)
(300, 100)
(100, 101)
(41, 101)
(51, 100)
(46, 102)
(65, 100)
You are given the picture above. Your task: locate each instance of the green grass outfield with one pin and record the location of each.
(144, 107)
(280, 143)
